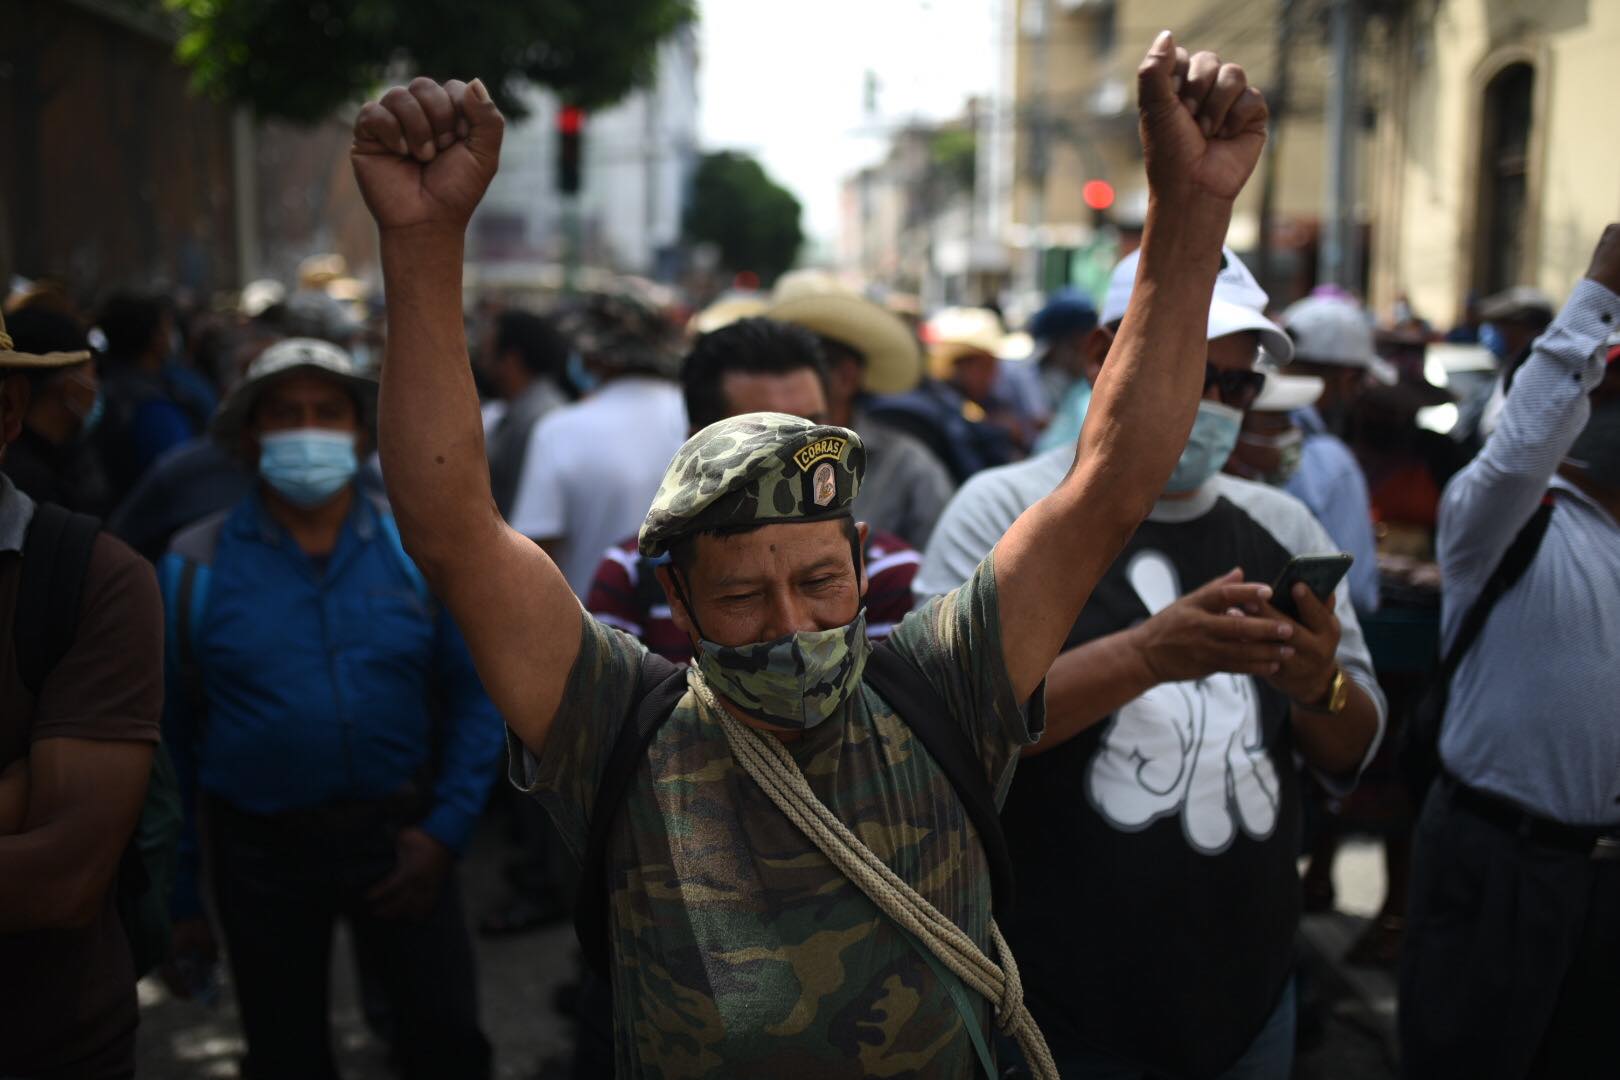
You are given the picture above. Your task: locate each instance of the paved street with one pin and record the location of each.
(1355, 1006)
(186, 1041)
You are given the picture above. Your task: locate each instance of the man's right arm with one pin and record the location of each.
(423, 157)
(1486, 504)
(1203, 632)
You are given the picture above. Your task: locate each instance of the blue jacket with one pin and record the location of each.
(318, 686)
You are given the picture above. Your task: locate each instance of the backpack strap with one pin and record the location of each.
(184, 574)
(659, 690)
(919, 704)
(649, 591)
(191, 598)
(1515, 561)
(56, 554)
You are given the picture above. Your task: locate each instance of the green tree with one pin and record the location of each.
(301, 59)
(954, 154)
(753, 220)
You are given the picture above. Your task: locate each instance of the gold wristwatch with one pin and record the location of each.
(1337, 696)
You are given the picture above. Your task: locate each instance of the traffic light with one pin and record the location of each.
(1098, 194)
(570, 129)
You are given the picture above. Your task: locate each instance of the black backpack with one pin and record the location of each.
(894, 677)
(1418, 753)
(56, 554)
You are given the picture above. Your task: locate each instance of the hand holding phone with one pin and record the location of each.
(1321, 573)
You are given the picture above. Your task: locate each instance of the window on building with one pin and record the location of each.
(1504, 178)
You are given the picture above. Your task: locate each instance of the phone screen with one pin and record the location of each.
(1321, 573)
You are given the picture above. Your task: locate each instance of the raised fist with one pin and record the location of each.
(424, 154)
(1605, 268)
(1203, 125)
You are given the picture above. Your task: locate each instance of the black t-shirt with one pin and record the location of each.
(1155, 852)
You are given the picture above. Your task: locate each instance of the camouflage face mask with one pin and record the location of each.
(793, 682)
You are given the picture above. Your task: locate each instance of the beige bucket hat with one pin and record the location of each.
(277, 362)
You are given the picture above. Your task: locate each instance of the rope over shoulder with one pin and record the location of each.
(770, 766)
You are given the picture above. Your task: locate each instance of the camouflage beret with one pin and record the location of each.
(754, 469)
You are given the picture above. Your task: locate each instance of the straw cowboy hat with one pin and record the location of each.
(733, 307)
(12, 360)
(818, 302)
(961, 331)
(1285, 393)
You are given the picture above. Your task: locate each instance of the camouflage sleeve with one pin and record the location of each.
(595, 706)
(955, 639)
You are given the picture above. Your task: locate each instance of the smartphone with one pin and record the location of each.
(1321, 572)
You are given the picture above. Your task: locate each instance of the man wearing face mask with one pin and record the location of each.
(793, 884)
(1155, 825)
(1510, 963)
(53, 459)
(1510, 321)
(1270, 445)
(333, 742)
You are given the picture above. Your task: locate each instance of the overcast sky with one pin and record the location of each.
(786, 82)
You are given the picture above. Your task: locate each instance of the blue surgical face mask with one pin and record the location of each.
(583, 378)
(1490, 336)
(309, 466)
(1214, 434)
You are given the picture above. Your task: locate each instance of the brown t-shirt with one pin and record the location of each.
(67, 997)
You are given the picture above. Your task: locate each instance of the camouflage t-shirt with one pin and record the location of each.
(738, 949)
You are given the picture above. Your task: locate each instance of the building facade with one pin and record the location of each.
(1497, 165)
(1071, 118)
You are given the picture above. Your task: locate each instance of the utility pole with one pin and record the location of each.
(1038, 26)
(1339, 263)
(1278, 93)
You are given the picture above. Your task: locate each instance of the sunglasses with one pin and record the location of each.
(1239, 389)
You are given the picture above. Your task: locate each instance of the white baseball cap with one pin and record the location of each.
(1333, 330)
(1238, 303)
(1285, 393)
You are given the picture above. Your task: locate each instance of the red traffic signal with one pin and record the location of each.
(570, 130)
(1098, 194)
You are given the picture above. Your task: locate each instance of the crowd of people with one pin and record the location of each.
(879, 698)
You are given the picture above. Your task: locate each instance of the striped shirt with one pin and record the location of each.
(1532, 715)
